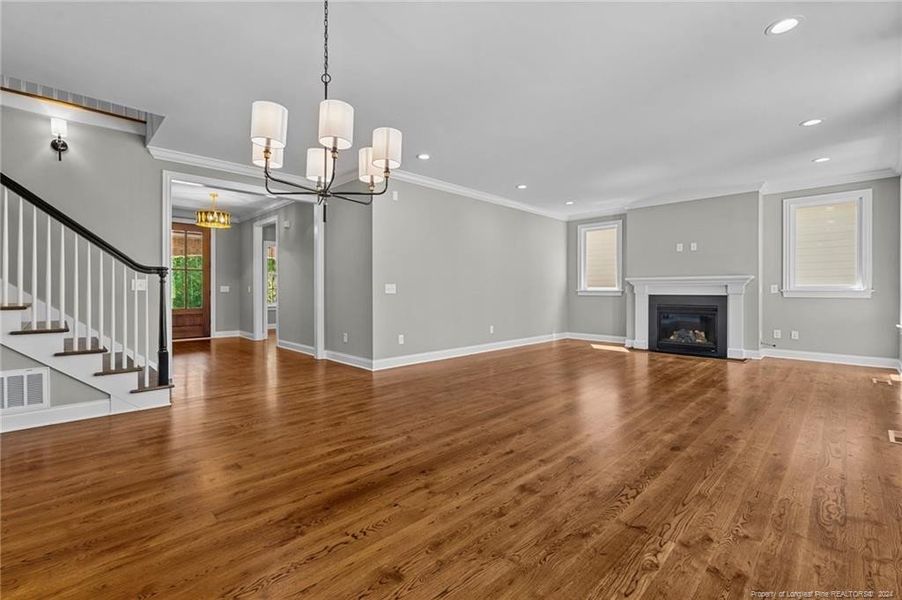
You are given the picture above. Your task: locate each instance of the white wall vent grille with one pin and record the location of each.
(24, 389)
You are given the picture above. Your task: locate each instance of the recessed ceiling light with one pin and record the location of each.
(521, 186)
(822, 159)
(811, 122)
(783, 25)
(423, 156)
(569, 202)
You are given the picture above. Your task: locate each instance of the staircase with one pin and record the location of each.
(73, 302)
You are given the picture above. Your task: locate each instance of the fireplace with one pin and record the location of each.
(695, 325)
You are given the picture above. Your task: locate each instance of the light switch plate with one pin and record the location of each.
(394, 195)
(693, 246)
(224, 289)
(777, 334)
(391, 288)
(139, 285)
(491, 329)
(401, 338)
(679, 247)
(794, 334)
(344, 337)
(775, 289)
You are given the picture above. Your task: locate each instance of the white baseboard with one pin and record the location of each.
(248, 335)
(594, 337)
(423, 357)
(55, 414)
(294, 347)
(271, 326)
(842, 359)
(226, 334)
(350, 360)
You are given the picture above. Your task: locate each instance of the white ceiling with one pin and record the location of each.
(600, 104)
(242, 205)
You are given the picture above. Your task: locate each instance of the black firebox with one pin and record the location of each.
(695, 325)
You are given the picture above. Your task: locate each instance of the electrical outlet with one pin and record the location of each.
(401, 338)
(491, 329)
(394, 195)
(794, 334)
(344, 337)
(777, 334)
(679, 247)
(249, 290)
(775, 288)
(391, 288)
(693, 246)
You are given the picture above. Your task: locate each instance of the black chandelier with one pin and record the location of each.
(269, 133)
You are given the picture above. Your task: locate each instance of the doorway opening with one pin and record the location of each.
(190, 281)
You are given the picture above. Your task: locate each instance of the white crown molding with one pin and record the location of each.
(459, 190)
(690, 196)
(70, 113)
(216, 164)
(265, 211)
(782, 186)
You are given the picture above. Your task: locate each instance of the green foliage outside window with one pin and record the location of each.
(272, 292)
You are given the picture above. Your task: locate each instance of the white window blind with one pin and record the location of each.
(599, 247)
(827, 245)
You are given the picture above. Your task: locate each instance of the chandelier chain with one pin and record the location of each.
(326, 78)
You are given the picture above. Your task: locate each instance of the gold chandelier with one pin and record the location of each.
(213, 218)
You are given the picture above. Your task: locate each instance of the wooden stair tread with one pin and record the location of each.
(82, 345)
(15, 306)
(151, 383)
(32, 327)
(113, 364)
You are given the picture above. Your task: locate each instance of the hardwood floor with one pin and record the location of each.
(559, 470)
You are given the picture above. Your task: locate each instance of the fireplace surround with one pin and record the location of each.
(731, 286)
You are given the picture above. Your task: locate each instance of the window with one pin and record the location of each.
(600, 251)
(187, 269)
(827, 246)
(272, 283)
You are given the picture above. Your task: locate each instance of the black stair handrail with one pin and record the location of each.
(32, 198)
(54, 213)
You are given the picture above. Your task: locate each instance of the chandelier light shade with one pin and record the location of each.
(269, 134)
(367, 172)
(319, 166)
(386, 148)
(275, 156)
(269, 124)
(336, 124)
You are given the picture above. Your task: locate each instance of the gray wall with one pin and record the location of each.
(349, 277)
(602, 315)
(841, 326)
(63, 389)
(461, 265)
(228, 272)
(726, 231)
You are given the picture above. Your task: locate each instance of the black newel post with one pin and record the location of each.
(163, 352)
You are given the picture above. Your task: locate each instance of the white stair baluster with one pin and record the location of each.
(75, 295)
(113, 310)
(135, 293)
(100, 298)
(62, 311)
(5, 294)
(34, 264)
(146, 330)
(89, 316)
(20, 259)
(124, 315)
(48, 288)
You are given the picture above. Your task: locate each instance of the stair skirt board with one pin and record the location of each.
(80, 411)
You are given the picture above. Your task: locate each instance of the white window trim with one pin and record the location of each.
(865, 224)
(582, 289)
(267, 244)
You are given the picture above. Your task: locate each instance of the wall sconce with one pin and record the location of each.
(59, 129)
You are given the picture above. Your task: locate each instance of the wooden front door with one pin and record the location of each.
(190, 281)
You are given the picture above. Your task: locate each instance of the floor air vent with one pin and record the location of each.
(895, 436)
(24, 389)
(882, 381)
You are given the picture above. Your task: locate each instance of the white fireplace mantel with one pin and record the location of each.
(732, 286)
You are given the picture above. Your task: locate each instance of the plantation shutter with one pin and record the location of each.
(826, 244)
(601, 258)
